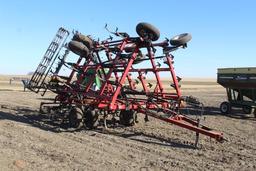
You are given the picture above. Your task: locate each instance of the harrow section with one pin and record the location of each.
(37, 80)
(120, 78)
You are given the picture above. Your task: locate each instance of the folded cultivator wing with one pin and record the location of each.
(37, 80)
(120, 78)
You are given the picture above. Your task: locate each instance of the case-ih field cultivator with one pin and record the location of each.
(114, 78)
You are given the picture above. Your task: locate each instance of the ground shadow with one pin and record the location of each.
(235, 113)
(149, 139)
(33, 118)
(44, 122)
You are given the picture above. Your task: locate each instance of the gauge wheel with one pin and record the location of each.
(91, 118)
(127, 117)
(147, 31)
(78, 48)
(86, 40)
(180, 39)
(75, 118)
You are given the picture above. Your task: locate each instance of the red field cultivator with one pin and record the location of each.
(119, 78)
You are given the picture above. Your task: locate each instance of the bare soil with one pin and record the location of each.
(31, 141)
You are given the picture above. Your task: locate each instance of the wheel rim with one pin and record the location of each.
(224, 108)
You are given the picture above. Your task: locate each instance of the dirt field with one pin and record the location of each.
(30, 141)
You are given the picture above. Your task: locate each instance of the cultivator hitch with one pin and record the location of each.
(184, 122)
(122, 78)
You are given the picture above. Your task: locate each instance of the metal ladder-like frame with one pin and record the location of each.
(38, 78)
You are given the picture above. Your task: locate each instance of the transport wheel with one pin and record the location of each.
(148, 31)
(91, 118)
(78, 48)
(225, 107)
(86, 40)
(76, 118)
(180, 39)
(247, 109)
(127, 117)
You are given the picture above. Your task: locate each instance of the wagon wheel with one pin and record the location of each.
(127, 117)
(78, 48)
(180, 39)
(225, 107)
(91, 118)
(86, 40)
(247, 109)
(147, 31)
(75, 118)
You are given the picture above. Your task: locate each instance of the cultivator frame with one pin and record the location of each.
(102, 85)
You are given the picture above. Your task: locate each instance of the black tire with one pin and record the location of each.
(78, 48)
(127, 117)
(225, 107)
(247, 109)
(75, 118)
(180, 39)
(87, 41)
(147, 31)
(91, 119)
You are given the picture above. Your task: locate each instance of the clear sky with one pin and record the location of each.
(223, 31)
